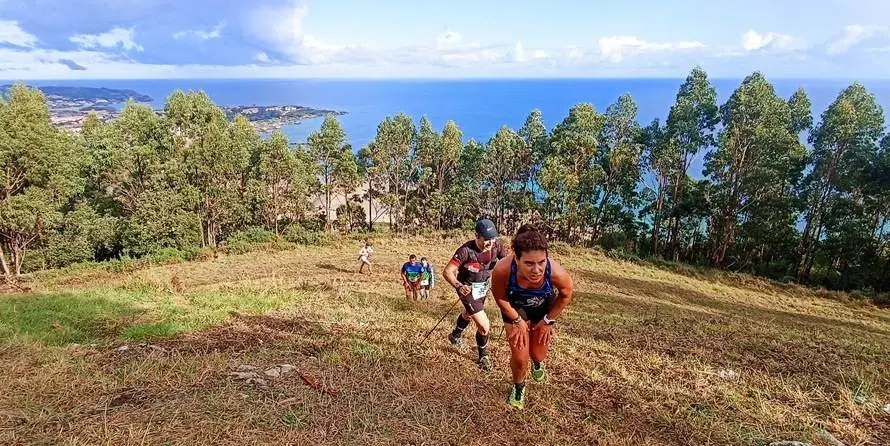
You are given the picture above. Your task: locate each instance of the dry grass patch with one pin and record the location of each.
(643, 356)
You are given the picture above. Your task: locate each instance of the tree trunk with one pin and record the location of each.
(203, 232)
(810, 237)
(348, 209)
(441, 203)
(327, 207)
(656, 221)
(370, 208)
(599, 214)
(18, 255)
(7, 273)
(674, 223)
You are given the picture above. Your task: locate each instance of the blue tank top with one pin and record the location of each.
(530, 297)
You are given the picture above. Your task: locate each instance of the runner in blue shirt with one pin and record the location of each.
(412, 273)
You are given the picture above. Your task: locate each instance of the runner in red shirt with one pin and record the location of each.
(468, 272)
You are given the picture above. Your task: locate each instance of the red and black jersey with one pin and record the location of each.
(473, 264)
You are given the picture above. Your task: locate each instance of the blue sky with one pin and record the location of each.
(91, 39)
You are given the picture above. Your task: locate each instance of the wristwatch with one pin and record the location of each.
(548, 321)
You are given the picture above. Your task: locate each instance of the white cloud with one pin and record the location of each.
(262, 57)
(523, 55)
(619, 48)
(13, 34)
(452, 50)
(281, 30)
(123, 37)
(754, 41)
(519, 52)
(853, 35)
(212, 33)
(575, 53)
(484, 55)
(448, 39)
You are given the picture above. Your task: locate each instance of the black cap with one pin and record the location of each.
(485, 228)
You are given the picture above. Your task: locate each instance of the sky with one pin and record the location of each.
(143, 39)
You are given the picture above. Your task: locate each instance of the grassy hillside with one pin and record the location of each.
(642, 356)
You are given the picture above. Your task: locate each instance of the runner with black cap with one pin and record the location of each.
(468, 272)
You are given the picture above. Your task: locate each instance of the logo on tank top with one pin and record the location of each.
(535, 301)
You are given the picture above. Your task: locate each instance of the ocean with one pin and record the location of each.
(479, 107)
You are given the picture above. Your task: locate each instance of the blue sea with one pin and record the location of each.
(479, 107)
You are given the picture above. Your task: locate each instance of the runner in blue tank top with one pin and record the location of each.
(531, 290)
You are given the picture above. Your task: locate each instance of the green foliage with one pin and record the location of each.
(237, 246)
(153, 187)
(39, 172)
(160, 220)
(253, 235)
(845, 151)
(326, 146)
(167, 255)
(756, 164)
(393, 156)
(300, 235)
(247, 240)
(81, 234)
(280, 182)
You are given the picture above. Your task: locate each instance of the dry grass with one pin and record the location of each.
(636, 361)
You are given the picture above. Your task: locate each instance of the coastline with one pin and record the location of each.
(70, 106)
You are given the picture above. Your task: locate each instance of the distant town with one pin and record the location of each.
(70, 106)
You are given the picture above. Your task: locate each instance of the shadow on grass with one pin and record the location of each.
(65, 317)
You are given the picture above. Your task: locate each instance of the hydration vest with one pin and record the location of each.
(530, 297)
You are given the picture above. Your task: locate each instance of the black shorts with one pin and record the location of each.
(472, 306)
(531, 314)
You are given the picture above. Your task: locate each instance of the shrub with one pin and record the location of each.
(237, 246)
(253, 235)
(167, 255)
(298, 234)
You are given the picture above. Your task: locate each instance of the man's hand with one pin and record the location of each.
(464, 290)
(541, 333)
(518, 335)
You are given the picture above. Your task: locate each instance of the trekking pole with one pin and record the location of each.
(437, 323)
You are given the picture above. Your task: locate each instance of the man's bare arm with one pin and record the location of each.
(450, 275)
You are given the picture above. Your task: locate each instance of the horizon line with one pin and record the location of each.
(440, 79)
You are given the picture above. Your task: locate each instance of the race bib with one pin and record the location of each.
(425, 282)
(480, 289)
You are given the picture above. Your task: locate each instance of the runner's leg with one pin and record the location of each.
(518, 359)
(537, 350)
(461, 324)
(482, 332)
